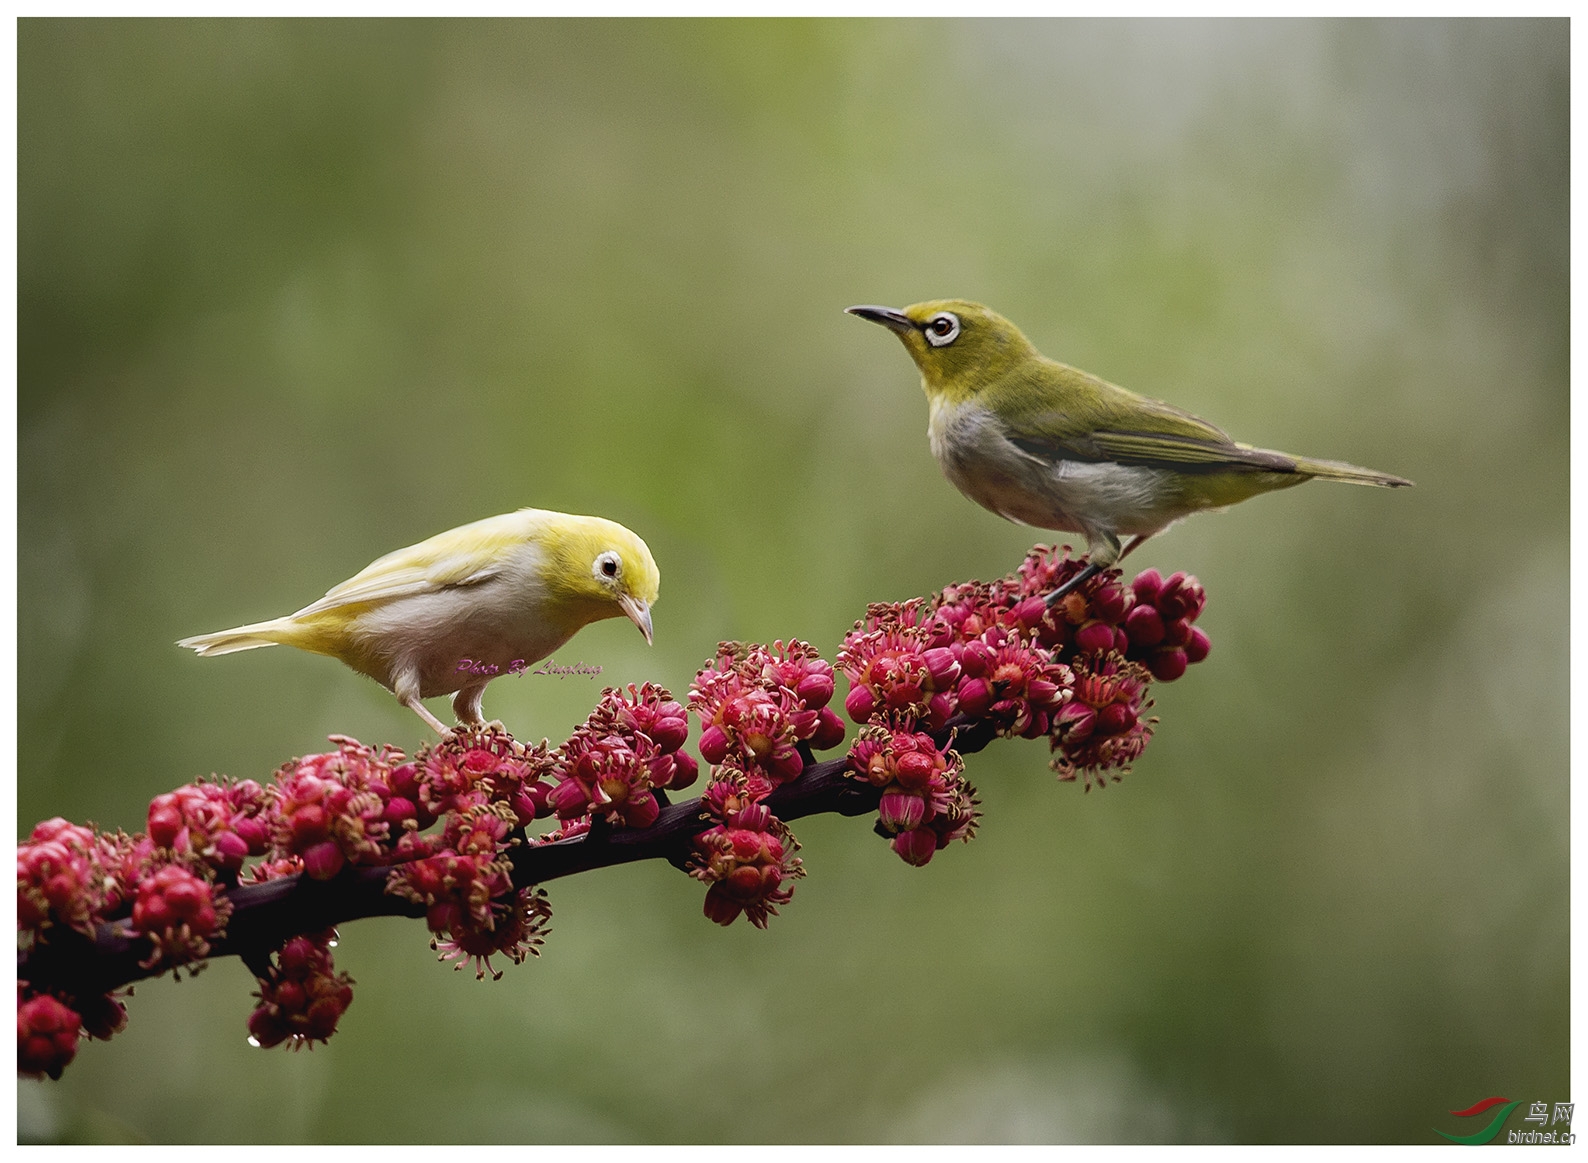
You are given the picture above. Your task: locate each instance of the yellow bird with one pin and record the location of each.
(449, 614)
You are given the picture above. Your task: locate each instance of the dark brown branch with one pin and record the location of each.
(265, 916)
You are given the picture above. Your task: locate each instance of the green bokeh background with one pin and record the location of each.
(294, 294)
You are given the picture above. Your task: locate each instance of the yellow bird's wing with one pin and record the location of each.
(465, 556)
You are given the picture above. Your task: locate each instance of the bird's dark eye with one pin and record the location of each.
(942, 329)
(609, 564)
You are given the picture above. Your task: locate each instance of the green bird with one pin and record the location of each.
(1044, 444)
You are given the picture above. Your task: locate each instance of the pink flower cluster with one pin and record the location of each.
(48, 1029)
(762, 709)
(915, 666)
(926, 800)
(179, 913)
(67, 875)
(748, 863)
(72, 877)
(47, 1034)
(351, 806)
(331, 809)
(758, 704)
(1159, 625)
(627, 750)
(482, 785)
(1076, 672)
(302, 997)
(217, 823)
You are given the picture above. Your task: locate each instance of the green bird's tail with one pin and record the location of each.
(1335, 470)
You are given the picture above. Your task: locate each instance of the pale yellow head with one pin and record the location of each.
(602, 570)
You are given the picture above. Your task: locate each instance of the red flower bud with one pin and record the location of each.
(669, 733)
(815, 690)
(404, 780)
(103, 1016)
(47, 1034)
(915, 769)
(720, 905)
(399, 809)
(297, 955)
(1176, 632)
(231, 850)
(1076, 721)
(941, 665)
(165, 820)
(685, 769)
(266, 1029)
(1144, 625)
(253, 831)
(309, 824)
(1108, 602)
(976, 659)
(916, 846)
(1167, 665)
(290, 995)
(1197, 646)
(1173, 601)
(1114, 718)
(713, 745)
(829, 730)
(1094, 637)
(860, 704)
(1028, 613)
(1041, 693)
(642, 810)
(1147, 585)
(901, 812)
(324, 860)
(975, 696)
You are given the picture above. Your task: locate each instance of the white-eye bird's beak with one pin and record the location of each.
(887, 316)
(637, 612)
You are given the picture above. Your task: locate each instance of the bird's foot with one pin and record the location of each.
(1092, 570)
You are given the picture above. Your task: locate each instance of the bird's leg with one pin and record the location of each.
(466, 705)
(405, 685)
(1131, 548)
(1103, 550)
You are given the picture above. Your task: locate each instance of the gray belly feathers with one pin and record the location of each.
(1069, 496)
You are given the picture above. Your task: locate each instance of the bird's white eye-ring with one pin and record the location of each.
(608, 565)
(942, 329)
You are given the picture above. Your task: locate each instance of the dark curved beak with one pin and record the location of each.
(887, 316)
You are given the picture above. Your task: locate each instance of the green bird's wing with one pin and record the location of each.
(1105, 423)
(465, 556)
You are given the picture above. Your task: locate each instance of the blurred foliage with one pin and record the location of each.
(292, 294)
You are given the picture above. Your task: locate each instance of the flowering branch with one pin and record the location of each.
(446, 836)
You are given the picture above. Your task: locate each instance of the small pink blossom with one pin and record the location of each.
(179, 914)
(1101, 729)
(515, 928)
(47, 1035)
(303, 998)
(748, 862)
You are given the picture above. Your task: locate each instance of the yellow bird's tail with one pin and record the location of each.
(1335, 470)
(276, 632)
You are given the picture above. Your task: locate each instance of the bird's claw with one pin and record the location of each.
(1091, 571)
